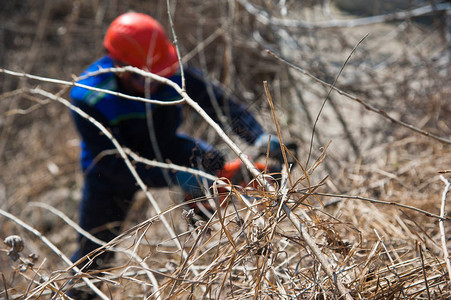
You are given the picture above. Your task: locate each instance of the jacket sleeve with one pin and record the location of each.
(239, 119)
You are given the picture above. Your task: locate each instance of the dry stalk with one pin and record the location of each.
(302, 229)
(424, 272)
(175, 41)
(5, 287)
(442, 226)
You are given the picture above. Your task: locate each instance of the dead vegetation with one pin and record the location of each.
(362, 212)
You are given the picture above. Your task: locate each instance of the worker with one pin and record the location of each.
(150, 130)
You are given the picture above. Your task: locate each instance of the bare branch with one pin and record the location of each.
(109, 70)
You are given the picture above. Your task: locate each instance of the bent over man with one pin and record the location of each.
(150, 130)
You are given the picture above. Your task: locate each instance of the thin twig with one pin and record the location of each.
(179, 57)
(327, 96)
(5, 287)
(424, 272)
(379, 202)
(442, 226)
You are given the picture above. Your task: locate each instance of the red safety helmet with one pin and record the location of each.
(140, 41)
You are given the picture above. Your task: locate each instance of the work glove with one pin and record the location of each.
(274, 150)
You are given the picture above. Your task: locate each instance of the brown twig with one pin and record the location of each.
(5, 287)
(424, 272)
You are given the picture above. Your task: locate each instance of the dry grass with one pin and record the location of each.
(371, 204)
